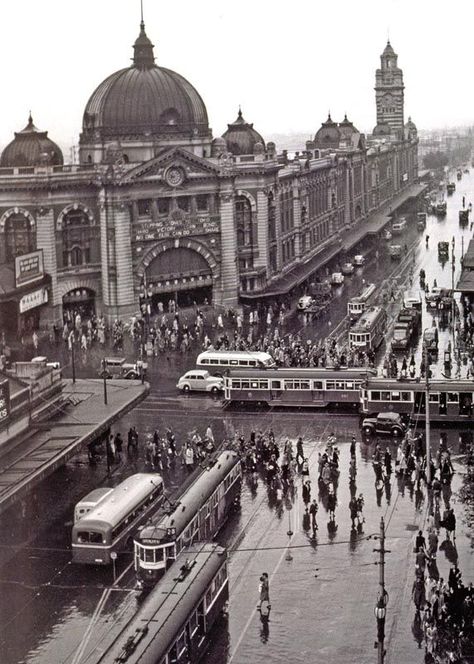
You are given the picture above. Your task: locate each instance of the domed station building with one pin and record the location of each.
(158, 210)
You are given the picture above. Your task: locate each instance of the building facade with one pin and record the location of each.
(158, 209)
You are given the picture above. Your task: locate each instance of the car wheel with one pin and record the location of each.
(186, 388)
(367, 430)
(214, 390)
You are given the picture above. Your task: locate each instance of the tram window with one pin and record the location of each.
(193, 623)
(245, 384)
(406, 396)
(236, 383)
(254, 385)
(330, 384)
(375, 396)
(453, 397)
(434, 398)
(276, 385)
(396, 396)
(339, 384)
(149, 556)
(350, 385)
(263, 384)
(233, 363)
(385, 396)
(243, 363)
(212, 361)
(318, 385)
(205, 360)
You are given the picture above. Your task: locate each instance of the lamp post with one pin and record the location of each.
(427, 414)
(380, 612)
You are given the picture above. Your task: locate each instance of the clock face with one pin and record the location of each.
(174, 176)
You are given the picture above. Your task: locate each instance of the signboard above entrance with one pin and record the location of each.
(174, 228)
(34, 299)
(29, 268)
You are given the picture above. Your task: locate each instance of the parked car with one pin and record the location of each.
(118, 367)
(437, 294)
(412, 301)
(388, 423)
(347, 269)
(304, 302)
(358, 260)
(337, 278)
(201, 381)
(402, 334)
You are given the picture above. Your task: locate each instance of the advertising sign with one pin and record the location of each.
(174, 228)
(34, 299)
(4, 400)
(29, 268)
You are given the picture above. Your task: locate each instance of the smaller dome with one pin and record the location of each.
(382, 129)
(31, 147)
(241, 137)
(218, 146)
(328, 136)
(258, 148)
(347, 129)
(410, 124)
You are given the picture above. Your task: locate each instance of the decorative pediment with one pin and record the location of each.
(173, 166)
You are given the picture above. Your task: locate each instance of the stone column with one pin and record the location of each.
(228, 296)
(297, 221)
(262, 230)
(46, 240)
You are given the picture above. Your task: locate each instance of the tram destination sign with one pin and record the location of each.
(4, 400)
(174, 228)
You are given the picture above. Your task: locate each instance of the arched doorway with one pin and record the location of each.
(181, 274)
(79, 301)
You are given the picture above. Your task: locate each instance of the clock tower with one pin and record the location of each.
(389, 91)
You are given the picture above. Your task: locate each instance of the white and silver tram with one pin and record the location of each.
(359, 303)
(198, 515)
(296, 387)
(450, 400)
(369, 331)
(112, 523)
(172, 625)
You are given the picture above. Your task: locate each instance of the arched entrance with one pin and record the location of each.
(79, 301)
(181, 274)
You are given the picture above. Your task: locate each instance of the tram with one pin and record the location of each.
(296, 387)
(199, 514)
(358, 304)
(450, 400)
(110, 525)
(174, 621)
(369, 331)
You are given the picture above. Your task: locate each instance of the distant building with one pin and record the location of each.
(159, 209)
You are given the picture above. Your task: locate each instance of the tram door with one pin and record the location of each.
(465, 403)
(420, 403)
(443, 403)
(318, 390)
(276, 390)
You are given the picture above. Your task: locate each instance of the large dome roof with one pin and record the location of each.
(241, 137)
(328, 135)
(31, 147)
(144, 100)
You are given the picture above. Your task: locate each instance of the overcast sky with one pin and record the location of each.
(286, 62)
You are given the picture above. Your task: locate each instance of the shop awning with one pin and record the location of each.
(466, 282)
(468, 258)
(296, 275)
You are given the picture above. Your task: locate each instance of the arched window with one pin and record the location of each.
(78, 239)
(271, 217)
(19, 236)
(243, 218)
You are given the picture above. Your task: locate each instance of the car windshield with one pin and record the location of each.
(399, 334)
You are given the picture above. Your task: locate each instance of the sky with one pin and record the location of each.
(286, 63)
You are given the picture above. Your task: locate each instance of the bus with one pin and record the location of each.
(450, 400)
(399, 226)
(197, 515)
(296, 387)
(86, 504)
(111, 525)
(174, 622)
(218, 361)
(358, 304)
(369, 331)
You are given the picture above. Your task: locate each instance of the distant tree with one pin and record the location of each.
(435, 160)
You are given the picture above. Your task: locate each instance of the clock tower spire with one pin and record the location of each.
(389, 97)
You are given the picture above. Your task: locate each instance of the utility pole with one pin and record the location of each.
(382, 600)
(427, 416)
(104, 374)
(73, 360)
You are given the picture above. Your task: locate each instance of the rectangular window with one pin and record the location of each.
(434, 398)
(385, 396)
(453, 397)
(396, 396)
(144, 207)
(330, 384)
(236, 383)
(406, 396)
(375, 396)
(202, 203)
(318, 385)
(163, 205)
(183, 203)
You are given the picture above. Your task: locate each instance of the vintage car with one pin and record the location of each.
(388, 423)
(337, 278)
(347, 269)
